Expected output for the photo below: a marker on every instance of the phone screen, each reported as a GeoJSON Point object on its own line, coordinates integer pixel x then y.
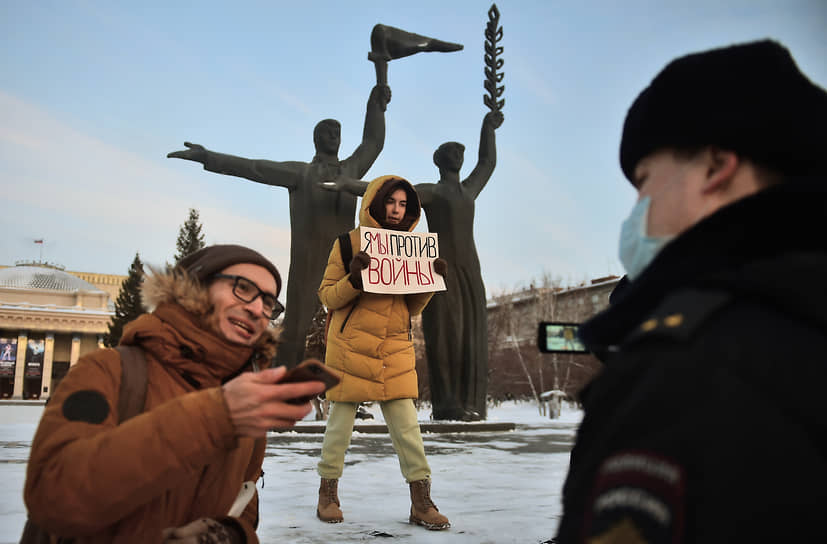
{"type": "Point", "coordinates": [559, 337]}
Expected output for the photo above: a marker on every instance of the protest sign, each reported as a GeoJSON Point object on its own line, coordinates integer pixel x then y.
{"type": "Point", "coordinates": [400, 262]}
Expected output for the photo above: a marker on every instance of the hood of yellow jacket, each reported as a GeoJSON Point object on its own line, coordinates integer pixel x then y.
{"type": "Point", "coordinates": [371, 212]}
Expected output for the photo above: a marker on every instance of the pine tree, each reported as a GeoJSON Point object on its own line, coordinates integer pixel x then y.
{"type": "Point", "coordinates": [190, 238]}
{"type": "Point", "coordinates": [128, 304]}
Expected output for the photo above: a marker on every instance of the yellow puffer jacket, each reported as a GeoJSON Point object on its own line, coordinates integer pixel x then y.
{"type": "Point", "coordinates": [369, 339]}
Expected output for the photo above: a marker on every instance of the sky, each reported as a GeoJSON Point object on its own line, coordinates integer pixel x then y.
{"type": "Point", "coordinates": [95, 94]}
{"type": "Point", "coordinates": [494, 487]}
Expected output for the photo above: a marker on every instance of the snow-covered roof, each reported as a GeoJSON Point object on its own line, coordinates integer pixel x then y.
{"type": "Point", "coordinates": [39, 277]}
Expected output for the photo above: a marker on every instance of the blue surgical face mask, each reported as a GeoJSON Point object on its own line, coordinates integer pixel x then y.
{"type": "Point", "coordinates": [637, 249]}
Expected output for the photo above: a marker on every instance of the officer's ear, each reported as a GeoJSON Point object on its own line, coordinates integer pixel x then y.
{"type": "Point", "coordinates": [720, 169]}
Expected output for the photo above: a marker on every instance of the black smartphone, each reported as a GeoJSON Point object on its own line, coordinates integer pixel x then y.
{"type": "Point", "coordinates": [559, 337]}
{"type": "Point", "coordinates": [307, 371]}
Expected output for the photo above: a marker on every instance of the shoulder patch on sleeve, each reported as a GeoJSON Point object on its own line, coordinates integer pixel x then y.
{"type": "Point", "coordinates": [87, 406]}
{"type": "Point", "coordinates": [640, 493]}
{"type": "Point", "coordinates": [680, 314]}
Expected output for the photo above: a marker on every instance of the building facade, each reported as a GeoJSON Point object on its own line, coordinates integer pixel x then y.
{"type": "Point", "coordinates": [49, 318]}
{"type": "Point", "coordinates": [517, 368]}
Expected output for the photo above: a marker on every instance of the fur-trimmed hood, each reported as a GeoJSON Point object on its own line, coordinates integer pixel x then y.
{"type": "Point", "coordinates": [372, 210]}
{"type": "Point", "coordinates": [175, 287]}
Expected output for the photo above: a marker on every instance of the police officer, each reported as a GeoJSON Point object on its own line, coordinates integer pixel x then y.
{"type": "Point", "coordinates": [707, 424]}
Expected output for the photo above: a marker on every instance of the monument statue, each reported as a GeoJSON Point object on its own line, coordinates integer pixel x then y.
{"type": "Point", "coordinates": [317, 216]}
{"type": "Point", "coordinates": [455, 322]}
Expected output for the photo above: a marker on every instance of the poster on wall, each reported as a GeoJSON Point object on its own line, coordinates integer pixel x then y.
{"type": "Point", "coordinates": [34, 357]}
{"type": "Point", "coordinates": [8, 356]}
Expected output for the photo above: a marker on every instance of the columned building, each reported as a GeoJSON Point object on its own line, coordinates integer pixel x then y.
{"type": "Point", "coordinates": [49, 318]}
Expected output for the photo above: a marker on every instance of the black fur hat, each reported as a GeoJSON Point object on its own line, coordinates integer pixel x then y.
{"type": "Point", "coordinates": [748, 98]}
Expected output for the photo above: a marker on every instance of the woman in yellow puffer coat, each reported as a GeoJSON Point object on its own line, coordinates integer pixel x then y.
{"type": "Point", "coordinates": [369, 345]}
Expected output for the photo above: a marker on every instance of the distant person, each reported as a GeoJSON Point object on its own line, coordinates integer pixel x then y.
{"type": "Point", "coordinates": [569, 338]}
{"type": "Point", "coordinates": [707, 423]}
{"type": "Point", "coordinates": [317, 216]}
{"type": "Point", "coordinates": [171, 473]}
{"type": "Point", "coordinates": [369, 344]}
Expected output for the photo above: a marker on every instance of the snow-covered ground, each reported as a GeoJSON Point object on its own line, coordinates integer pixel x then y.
{"type": "Point", "coordinates": [495, 487]}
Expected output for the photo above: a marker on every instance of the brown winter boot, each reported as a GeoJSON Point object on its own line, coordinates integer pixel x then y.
{"type": "Point", "coordinates": [328, 509]}
{"type": "Point", "coordinates": [423, 510]}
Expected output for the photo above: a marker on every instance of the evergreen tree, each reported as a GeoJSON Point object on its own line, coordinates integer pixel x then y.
{"type": "Point", "coordinates": [128, 304]}
{"type": "Point", "coordinates": [190, 238]}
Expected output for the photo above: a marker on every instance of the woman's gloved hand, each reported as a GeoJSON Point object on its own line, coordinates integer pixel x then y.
{"type": "Point", "coordinates": [441, 266]}
{"type": "Point", "coordinates": [359, 262]}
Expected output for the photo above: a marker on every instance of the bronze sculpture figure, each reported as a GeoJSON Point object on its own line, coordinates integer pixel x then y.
{"type": "Point", "coordinates": [316, 216]}
{"type": "Point", "coordinates": [455, 323]}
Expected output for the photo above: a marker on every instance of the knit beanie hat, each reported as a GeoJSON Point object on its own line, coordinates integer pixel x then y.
{"type": "Point", "coordinates": [748, 98]}
{"type": "Point", "coordinates": [213, 259]}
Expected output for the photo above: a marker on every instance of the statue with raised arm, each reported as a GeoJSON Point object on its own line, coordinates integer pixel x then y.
{"type": "Point", "coordinates": [318, 216]}
{"type": "Point", "coordinates": [455, 323]}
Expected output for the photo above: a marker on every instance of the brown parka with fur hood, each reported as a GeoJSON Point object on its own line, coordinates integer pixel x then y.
{"type": "Point", "coordinates": [178, 461]}
{"type": "Point", "coordinates": [369, 337]}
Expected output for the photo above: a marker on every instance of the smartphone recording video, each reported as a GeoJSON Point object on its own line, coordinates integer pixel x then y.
{"type": "Point", "coordinates": [558, 337]}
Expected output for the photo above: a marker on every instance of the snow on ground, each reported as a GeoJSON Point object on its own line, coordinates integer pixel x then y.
{"type": "Point", "coordinates": [495, 487]}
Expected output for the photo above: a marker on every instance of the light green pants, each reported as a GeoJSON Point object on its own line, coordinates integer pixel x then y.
{"type": "Point", "coordinates": [400, 416]}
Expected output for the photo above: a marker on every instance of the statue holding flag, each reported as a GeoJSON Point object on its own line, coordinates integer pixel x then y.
{"type": "Point", "coordinates": [318, 216]}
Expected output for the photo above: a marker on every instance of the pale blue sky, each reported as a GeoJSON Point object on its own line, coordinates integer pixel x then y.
{"type": "Point", "coordinates": [95, 94]}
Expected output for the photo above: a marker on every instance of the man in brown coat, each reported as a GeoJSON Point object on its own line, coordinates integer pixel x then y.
{"type": "Point", "coordinates": [173, 472]}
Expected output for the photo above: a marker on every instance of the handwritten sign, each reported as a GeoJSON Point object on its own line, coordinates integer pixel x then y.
{"type": "Point", "coordinates": [400, 262]}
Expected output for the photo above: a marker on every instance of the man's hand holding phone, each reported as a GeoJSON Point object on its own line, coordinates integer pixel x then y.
{"type": "Point", "coordinates": [310, 370]}
{"type": "Point", "coordinates": [274, 397]}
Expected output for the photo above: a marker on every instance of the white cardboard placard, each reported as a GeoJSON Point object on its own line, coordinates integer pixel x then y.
{"type": "Point", "coordinates": [400, 262]}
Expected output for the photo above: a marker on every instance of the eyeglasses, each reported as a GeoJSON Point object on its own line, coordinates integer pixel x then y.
{"type": "Point", "coordinates": [247, 291]}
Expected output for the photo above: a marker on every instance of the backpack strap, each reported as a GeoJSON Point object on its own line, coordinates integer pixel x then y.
{"type": "Point", "coordinates": [132, 396]}
{"type": "Point", "coordinates": [346, 249]}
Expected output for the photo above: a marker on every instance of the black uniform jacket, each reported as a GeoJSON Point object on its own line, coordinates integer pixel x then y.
{"type": "Point", "coordinates": [708, 422]}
